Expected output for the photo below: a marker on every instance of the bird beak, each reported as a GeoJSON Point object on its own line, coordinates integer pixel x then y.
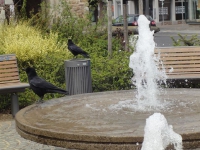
{"type": "Point", "coordinates": [23, 69]}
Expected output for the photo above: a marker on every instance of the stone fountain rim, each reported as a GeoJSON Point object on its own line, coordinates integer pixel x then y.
{"type": "Point", "coordinates": [24, 126]}
{"type": "Point", "coordinates": [32, 133]}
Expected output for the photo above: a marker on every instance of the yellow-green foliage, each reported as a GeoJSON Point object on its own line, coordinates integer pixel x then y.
{"type": "Point", "coordinates": [47, 56]}
{"type": "Point", "coordinates": [37, 50]}
{"type": "Point", "coordinates": [27, 42]}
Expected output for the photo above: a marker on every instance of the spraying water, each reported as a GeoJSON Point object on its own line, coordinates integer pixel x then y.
{"type": "Point", "coordinates": [145, 67]}
{"type": "Point", "coordinates": [158, 134]}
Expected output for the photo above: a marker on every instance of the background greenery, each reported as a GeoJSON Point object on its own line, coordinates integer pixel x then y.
{"type": "Point", "coordinates": [44, 47]}
{"type": "Point", "coordinates": [184, 40]}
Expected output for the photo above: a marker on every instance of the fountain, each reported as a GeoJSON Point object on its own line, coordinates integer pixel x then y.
{"type": "Point", "coordinates": [115, 120]}
{"type": "Point", "coordinates": [159, 135]}
{"type": "Point", "coordinates": [145, 68]}
{"type": "Point", "coordinates": [145, 64]}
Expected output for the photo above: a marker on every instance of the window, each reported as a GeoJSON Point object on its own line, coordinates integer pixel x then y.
{"type": "Point", "coordinates": [164, 10]}
{"type": "Point", "coordinates": [180, 10]}
{"type": "Point", "coordinates": [119, 12]}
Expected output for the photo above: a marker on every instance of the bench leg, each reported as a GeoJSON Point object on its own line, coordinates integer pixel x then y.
{"type": "Point", "coordinates": [14, 104]}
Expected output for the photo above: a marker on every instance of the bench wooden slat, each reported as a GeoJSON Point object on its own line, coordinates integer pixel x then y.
{"type": "Point", "coordinates": [8, 66]}
{"type": "Point", "coordinates": [184, 70]}
{"type": "Point", "coordinates": [184, 76]}
{"type": "Point", "coordinates": [183, 66]}
{"type": "Point", "coordinates": [178, 49]}
{"type": "Point", "coordinates": [8, 70]}
{"type": "Point", "coordinates": [15, 78]}
{"type": "Point", "coordinates": [181, 62]}
{"type": "Point", "coordinates": [3, 75]}
{"type": "Point", "coordinates": [13, 81]}
{"type": "Point", "coordinates": [8, 62]}
{"type": "Point", "coordinates": [180, 58]}
{"type": "Point", "coordinates": [179, 54]}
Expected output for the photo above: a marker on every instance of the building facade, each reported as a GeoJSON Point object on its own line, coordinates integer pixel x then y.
{"type": "Point", "coordinates": [79, 7]}
{"type": "Point", "coordinates": [163, 11]}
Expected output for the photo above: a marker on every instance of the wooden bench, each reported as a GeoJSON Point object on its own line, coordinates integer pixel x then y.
{"type": "Point", "coordinates": [10, 81]}
{"type": "Point", "coordinates": [182, 64]}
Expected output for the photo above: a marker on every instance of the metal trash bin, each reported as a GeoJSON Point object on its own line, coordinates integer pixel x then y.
{"type": "Point", "coordinates": [78, 76]}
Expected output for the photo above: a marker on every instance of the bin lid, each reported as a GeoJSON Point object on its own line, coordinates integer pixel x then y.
{"type": "Point", "coordinates": [77, 62]}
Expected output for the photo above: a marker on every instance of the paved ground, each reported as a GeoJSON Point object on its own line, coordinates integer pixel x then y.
{"type": "Point", "coordinates": [11, 140]}
{"type": "Point", "coordinates": [180, 28]}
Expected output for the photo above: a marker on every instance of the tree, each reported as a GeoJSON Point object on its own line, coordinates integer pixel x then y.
{"type": "Point", "coordinates": [94, 4]}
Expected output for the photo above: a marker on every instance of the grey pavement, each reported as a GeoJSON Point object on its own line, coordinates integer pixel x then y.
{"type": "Point", "coordinates": [180, 28]}
{"type": "Point", "coordinates": [11, 140]}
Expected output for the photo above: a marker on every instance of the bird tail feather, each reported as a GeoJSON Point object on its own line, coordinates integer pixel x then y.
{"type": "Point", "coordinates": [60, 91]}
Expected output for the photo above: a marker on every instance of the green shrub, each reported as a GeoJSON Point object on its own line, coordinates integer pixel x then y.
{"type": "Point", "coordinates": [111, 74]}
{"type": "Point", "coordinates": [185, 41]}
{"type": "Point", "coordinates": [107, 74]}
{"type": "Point", "coordinates": [34, 49]}
{"type": "Point", "coordinates": [47, 51]}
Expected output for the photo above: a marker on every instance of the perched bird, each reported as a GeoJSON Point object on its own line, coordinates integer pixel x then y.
{"type": "Point", "coordinates": [75, 50]}
{"type": "Point", "coordinates": [40, 86]}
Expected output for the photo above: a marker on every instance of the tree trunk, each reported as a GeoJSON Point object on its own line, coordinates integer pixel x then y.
{"type": "Point", "coordinates": [100, 9]}
{"type": "Point", "coordinates": [109, 29]}
{"type": "Point", "coordinates": [125, 25]}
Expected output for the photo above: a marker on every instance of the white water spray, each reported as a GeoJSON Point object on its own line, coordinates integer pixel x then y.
{"type": "Point", "coordinates": [145, 67]}
{"type": "Point", "coordinates": [158, 134]}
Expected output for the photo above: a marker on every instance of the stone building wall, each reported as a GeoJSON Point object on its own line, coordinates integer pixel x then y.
{"type": "Point", "coordinates": [79, 7]}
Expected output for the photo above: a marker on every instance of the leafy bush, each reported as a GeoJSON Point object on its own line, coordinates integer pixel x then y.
{"type": "Point", "coordinates": [47, 51]}
{"type": "Point", "coordinates": [68, 25]}
{"type": "Point", "coordinates": [37, 50]}
{"type": "Point", "coordinates": [185, 41]}
{"type": "Point", "coordinates": [107, 74]}
{"type": "Point", "coordinates": [111, 74]}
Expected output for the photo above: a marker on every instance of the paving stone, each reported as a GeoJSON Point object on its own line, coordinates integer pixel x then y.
{"type": "Point", "coordinates": [11, 140]}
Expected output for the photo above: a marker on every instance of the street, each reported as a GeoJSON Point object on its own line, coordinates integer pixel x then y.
{"type": "Point", "coordinates": [163, 38]}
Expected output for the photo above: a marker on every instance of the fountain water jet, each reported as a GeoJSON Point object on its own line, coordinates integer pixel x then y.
{"type": "Point", "coordinates": [108, 120]}
{"type": "Point", "coordinates": [158, 134]}
{"type": "Point", "coordinates": [145, 67]}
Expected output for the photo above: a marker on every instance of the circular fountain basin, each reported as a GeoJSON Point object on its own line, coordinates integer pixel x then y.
{"type": "Point", "coordinates": [100, 121]}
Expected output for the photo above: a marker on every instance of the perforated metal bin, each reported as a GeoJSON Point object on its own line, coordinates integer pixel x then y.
{"type": "Point", "coordinates": [78, 76]}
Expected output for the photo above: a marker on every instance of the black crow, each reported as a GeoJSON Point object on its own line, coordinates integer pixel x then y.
{"type": "Point", "coordinates": [75, 50]}
{"type": "Point", "coordinates": [40, 86]}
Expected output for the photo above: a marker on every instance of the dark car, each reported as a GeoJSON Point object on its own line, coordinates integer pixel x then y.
{"type": "Point", "coordinates": [132, 21]}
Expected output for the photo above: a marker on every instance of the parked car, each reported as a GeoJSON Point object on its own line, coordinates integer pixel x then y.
{"type": "Point", "coordinates": [133, 24]}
